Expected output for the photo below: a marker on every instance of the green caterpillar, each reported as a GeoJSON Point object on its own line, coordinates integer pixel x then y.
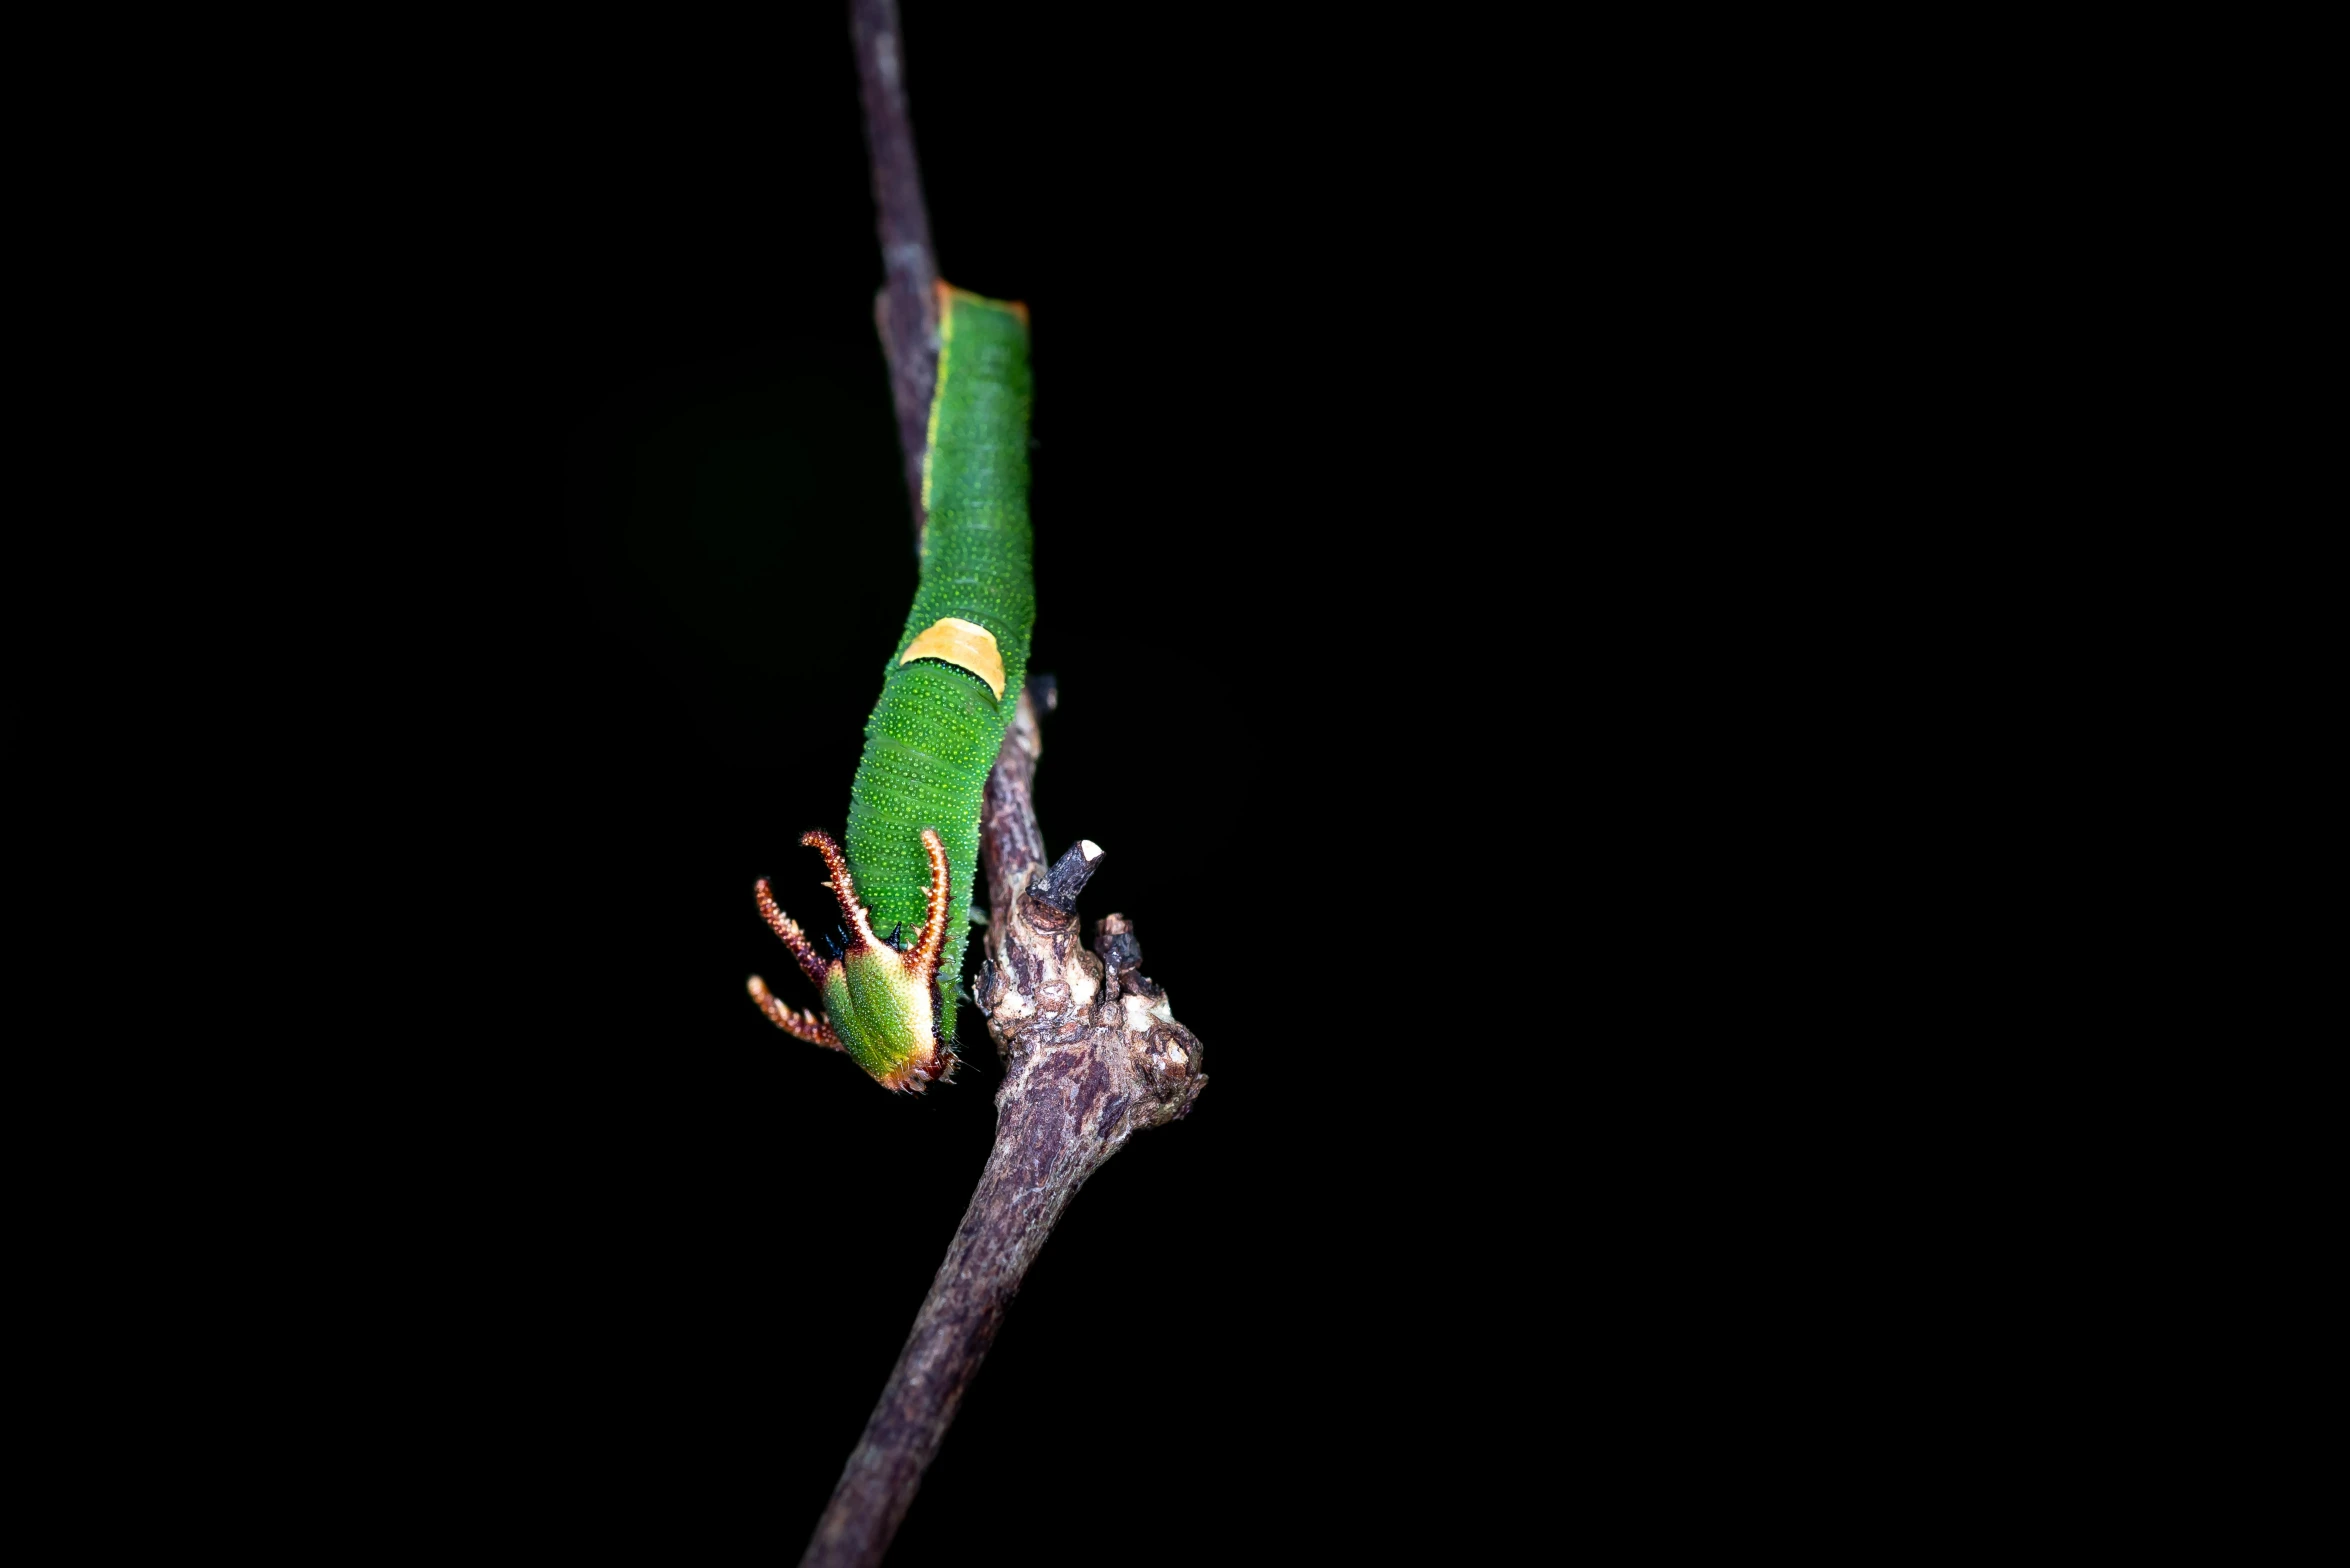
{"type": "Point", "coordinates": [913, 837]}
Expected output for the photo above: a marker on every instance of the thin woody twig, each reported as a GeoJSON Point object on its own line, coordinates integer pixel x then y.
{"type": "Point", "coordinates": [1090, 1048]}
{"type": "Point", "coordinates": [906, 309]}
{"type": "Point", "coordinates": [1011, 845]}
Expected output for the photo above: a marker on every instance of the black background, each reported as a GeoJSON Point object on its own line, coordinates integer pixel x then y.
{"type": "Point", "coordinates": [1290, 511]}
{"type": "Point", "coordinates": [1451, 515]}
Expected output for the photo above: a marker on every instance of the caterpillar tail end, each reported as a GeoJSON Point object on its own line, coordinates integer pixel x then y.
{"type": "Point", "coordinates": [948, 294]}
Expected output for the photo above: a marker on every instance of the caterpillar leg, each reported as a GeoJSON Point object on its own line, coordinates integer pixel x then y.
{"type": "Point", "coordinates": [814, 1028]}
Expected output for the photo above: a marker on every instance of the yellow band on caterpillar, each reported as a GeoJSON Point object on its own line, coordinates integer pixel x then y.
{"type": "Point", "coordinates": [963, 645]}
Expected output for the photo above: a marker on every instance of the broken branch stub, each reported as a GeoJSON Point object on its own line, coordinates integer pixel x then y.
{"type": "Point", "coordinates": [1069, 874]}
{"type": "Point", "coordinates": [1044, 994]}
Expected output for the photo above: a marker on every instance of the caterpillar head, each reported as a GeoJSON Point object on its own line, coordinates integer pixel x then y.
{"type": "Point", "coordinates": [880, 996]}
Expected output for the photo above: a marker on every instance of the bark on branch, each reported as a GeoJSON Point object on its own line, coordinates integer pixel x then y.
{"type": "Point", "coordinates": [906, 309]}
{"type": "Point", "coordinates": [1091, 1051]}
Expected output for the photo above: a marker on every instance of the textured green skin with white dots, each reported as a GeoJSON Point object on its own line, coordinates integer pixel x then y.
{"type": "Point", "coordinates": [936, 730]}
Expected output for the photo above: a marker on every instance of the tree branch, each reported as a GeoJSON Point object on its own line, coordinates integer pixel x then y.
{"type": "Point", "coordinates": [1092, 1054]}
{"type": "Point", "coordinates": [906, 309]}
{"type": "Point", "coordinates": [1090, 1048]}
